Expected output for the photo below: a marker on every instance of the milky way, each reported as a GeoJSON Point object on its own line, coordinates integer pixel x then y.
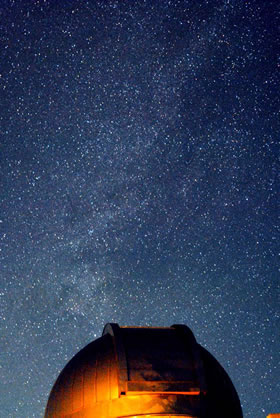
{"type": "Point", "coordinates": [139, 159]}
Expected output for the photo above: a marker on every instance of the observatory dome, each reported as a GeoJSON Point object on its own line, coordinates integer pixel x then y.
{"type": "Point", "coordinates": [143, 372]}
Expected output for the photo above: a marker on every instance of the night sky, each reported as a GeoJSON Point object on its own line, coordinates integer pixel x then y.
{"type": "Point", "coordinates": [139, 184]}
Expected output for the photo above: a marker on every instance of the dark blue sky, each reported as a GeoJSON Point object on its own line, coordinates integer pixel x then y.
{"type": "Point", "coordinates": [139, 161]}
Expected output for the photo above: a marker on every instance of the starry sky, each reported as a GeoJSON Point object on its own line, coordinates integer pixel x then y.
{"type": "Point", "coordinates": [139, 184]}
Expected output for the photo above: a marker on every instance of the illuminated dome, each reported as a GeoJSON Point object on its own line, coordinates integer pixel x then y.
{"type": "Point", "coordinates": [143, 372]}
